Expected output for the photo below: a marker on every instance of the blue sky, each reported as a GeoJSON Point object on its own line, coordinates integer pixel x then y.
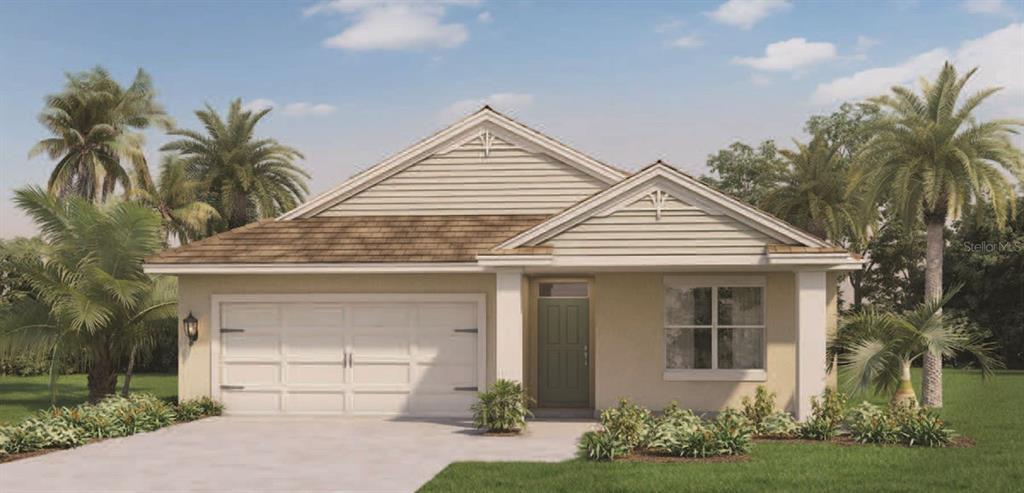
{"type": "Point", "coordinates": [626, 82]}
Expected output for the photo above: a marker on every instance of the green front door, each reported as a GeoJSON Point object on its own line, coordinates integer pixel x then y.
{"type": "Point", "coordinates": [563, 332]}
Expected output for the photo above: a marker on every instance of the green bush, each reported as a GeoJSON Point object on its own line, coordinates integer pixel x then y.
{"type": "Point", "coordinates": [666, 431]}
{"type": "Point", "coordinates": [868, 423]}
{"type": "Point", "coordinates": [734, 432]}
{"type": "Point", "coordinates": [629, 422]}
{"type": "Point", "coordinates": [503, 408]}
{"type": "Point", "coordinates": [602, 445]}
{"type": "Point", "coordinates": [193, 409]}
{"type": "Point", "coordinates": [778, 424]}
{"type": "Point", "coordinates": [758, 409]}
{"type": "Point", "coordinates": [53, 432]}
{"type": "Point", "coordinates": [17, 439]}
{"type": "Point", "coordinates": [826, 417]}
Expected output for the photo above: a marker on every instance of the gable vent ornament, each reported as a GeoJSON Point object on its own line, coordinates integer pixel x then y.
{"type": "Point", "coordinates": [658, 199]}
{"type": "Point", "coordinates": [487, 138]}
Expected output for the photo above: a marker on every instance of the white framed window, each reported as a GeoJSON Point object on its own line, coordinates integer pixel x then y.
{"type": "Point", "coordinates": [714, 328]}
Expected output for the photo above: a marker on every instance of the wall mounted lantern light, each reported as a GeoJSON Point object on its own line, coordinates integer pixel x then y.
{"type": "Point", "coordinates": [191, 328]}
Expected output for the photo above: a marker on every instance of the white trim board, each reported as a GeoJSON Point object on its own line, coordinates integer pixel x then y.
{"type": "Point", "coordinates": [663, 177]}
{"type": "Point", "coordinates": [463, 130]}
{"type": "Point", "coordinates": [378, 268]}
{"type": "Point", "coordinates": [219, 299]}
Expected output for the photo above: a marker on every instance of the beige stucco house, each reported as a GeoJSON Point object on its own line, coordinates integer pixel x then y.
{"type": "Point", "coordinates": [488, 251]}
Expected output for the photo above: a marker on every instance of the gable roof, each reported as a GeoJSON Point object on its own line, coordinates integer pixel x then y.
{"type": "Point", "coordinates": [462, 131]}
{"type": "Point", "coordinates": [662, 176]}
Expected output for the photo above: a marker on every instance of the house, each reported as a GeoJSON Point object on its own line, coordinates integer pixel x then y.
{"type": "Point", "coordinates": [488, 251]}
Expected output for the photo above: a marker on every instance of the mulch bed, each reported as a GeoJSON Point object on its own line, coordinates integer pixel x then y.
{"type": "Point", "coordinates": [671, 459]}
{"type": "Point", "coordinates": [501, 433]}
{"type": "Point", "coordinates": [26, 455]}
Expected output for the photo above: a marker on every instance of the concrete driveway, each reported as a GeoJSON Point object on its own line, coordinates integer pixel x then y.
{"type": "Point", "coordinates": [284, 454]}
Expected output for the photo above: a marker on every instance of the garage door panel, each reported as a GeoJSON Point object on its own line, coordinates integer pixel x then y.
{"type": "Point", "coordinates": [251, 315]}
{"type": "Point", "coordinates": [250, 345]}
{"type": "Point", "coordinates": [381, 315]}
{"type": "Point", "coordinates": [316, 374]}
{"type": "Point", "coordinates": [252, 401]}
{"type": "Point", "coordinates": [357, 357]}
{"type": "Point", "coordinates": [453, 316]}
{"type": "Point", "coordinates": [380, 402]}
{"type": "Point", "coordinates": [311, 316]}
{"type": "Point", "coordinates": [316, 402]}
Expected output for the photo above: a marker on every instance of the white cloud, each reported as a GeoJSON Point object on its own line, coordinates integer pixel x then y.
{"type": "Point", "coordinates": [691, 41]}
{"type": "Point", "coordinates": [308, 109]}
{"type": "Point", "coordinates": [997, 54]}
{"type": "Point", "coordinates": [484, 17]}
{"type": "Point", "coordinates": [746, 13]}
{"type": "Point", "coordinates": [997, 7]}
{"type": "Point", "coordinates": [394, 25]}
{"type": "Point", "coordinates": [258, 105]}
{"type": "Point", "coordinates": [298, 109]}
{"type": "Point", "coordinates": [506, 102]}
{"type": "Point", "coordinates": [790, 55]}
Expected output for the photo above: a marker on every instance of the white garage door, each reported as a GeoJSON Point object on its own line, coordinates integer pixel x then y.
{"type": "Point", "coordinates": [396, 354]}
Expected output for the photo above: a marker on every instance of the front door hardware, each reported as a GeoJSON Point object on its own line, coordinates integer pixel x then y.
{"type": "Point", "coordinates": [228, 331]}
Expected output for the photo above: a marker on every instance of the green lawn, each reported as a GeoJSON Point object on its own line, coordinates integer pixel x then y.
{"type": "Point", "coordinates": [991, 412]}
{"type": "Point", "coordinates": [20, 396]}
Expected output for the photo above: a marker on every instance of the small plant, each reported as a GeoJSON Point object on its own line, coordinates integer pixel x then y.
{"type": "Point", "coordinates": [733, 431]}
{"type": "Point", "coordinates": [602, 445]}
{"type": "Point", "coordinates": [201, 407]}
{"type": "Point", "coordinates": [921, 427]}
{"type": "Point", "coordinates": [871, 424]}
{"type": "Point", "coordinates": [629, 422]}
{"type": "Point", "coordinates": [778, 424]}
{"type": "Point", "coordinates": [18, 439]}
{"type": "Point", "coordinates": [826, 416]}
{"type": "Point", "coordinates": [760, 408]}
{"type": "Point", "coordinates": [503, 408]}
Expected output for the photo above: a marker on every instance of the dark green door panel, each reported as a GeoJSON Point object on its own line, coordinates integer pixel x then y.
{"type": "Point", "coordinates": [563, 332]}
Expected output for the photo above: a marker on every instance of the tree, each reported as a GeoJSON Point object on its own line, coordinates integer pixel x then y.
{"type": "Point", "coordinates": [245, 178]}
{"type": "Point", "coordinates": [94, 122]}
{"type": "Point", "coordinates": [930, 157]}
{"type": "Point", "coordinates": [813, 192]}
{"type": "Point", "coordinates": [893, 277]}
{"type": "Point", "coordinates": [877, 348]}
{"type": "Point", "coordinates": [176, 197]}
{"type": "Point", "coordinates": [746, 173]}
{"type": "Point", "coordinates": [88, 290]}
{"type": "Point", "coordinates": [990, 264]}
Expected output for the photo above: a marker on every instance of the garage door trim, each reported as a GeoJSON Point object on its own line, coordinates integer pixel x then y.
{"type": "Point", "coordinates": [218, 299]}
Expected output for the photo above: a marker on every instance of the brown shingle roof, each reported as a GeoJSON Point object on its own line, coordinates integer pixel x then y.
{"type": "Point", "coordinates": [356, 239]}
{"type": "Point", "coordinates": [803, 249]}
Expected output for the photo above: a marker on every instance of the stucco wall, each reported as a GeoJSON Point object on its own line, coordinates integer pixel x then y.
{"type": "Point", "coordinates": [194, 292]}
{"type": "Point", "coordinates": [629, 346]}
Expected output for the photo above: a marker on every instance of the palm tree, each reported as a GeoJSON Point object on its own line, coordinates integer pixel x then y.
{"type": "Point", "coordinates": [246, 178]}
{"type": "Point", "coordinates": [928, 157]}
{"type": "Point", "coordinates": [877, 348]}
{"type": "Point", "coordinates": [87, 288]}
{"type": "Point", "coordinates": [176, 198]}
{"type": "Point", "coordinates": [812, 193]}
{"type": "Point", "coordinates": [92, 123]}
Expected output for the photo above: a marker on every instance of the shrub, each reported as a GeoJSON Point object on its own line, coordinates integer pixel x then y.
{"type": "Point", "coordinates": [53, 431]}
{"type": "Point", "coordinates": [920, 427]}
{"type": "Point", "coordinates": [18, 439]}
{"type": "Point", "coordinates": [193, 409]}
{"type": "Point", "coordinates": [760, 408]}
{"type": "Point", "coordinates": [666, 431]}
{"type": "Point", "coordinates": [629, 422]}
{"type": "Point", "coordinates": [733, 431]}
{"type": "Point", "coordinates": [826, 416]}
{"type": "Point", "coordinates": [778, 424]}
{"type": "Point", "coordinates": [871, 424]}
{"type": "Point", "coordinates": [602, 445]}
{"type": "Point", "coordinates": [502, 408]}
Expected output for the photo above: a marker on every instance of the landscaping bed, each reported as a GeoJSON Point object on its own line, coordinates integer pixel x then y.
{"type": "Point", "coordinates": [59, 428]}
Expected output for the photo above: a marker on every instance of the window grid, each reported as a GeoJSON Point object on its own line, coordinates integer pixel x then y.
{"type": "Point", "coordinates": [714, 324]}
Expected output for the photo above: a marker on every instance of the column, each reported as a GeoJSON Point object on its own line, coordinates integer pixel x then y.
{"type": "Point", "coordinates": [811, 323]}
{"type": "Point", "coordinates": [509, 325]}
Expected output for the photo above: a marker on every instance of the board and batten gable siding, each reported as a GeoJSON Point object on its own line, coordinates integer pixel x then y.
{"type": "Point", "coordinates": [505, 179]}
{"type": "Point", "coordinates": [681, 229]}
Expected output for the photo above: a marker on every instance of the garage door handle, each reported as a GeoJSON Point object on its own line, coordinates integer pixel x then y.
{"type": "Point", "coordinates": [232, 387]}
{"type": "Point", "coordinates": [466, 389]}
{"type": "Point", "coordinates": [468, 331]}
{"type": "Point", "coordinates": [228, 331]}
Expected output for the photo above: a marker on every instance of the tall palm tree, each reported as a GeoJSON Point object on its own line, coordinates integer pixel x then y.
{"type": "Point", "coordinates": [176, 196]}
{"type": "Point", "coordinates": [87, 288]}
{"type": "Point", "coordinates": [877, 348]}
{"type": "Point", "coordinates": [95, 123]}
{"type": "Point", "coordinates": [928, 157]}
{"type": "Point", "coordinates": [246, 178]}
{"type": "Point", "coordinates": [813, 194]}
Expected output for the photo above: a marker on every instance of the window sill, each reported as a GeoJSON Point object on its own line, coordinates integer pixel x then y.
{"type": "Point", "coordinates": [715, 375]}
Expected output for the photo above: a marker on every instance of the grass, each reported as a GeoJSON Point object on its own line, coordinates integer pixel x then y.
{"type": "Point", "coordinates": [21, 396]}
{"type": "Point", "coordinates": [989, 411]}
